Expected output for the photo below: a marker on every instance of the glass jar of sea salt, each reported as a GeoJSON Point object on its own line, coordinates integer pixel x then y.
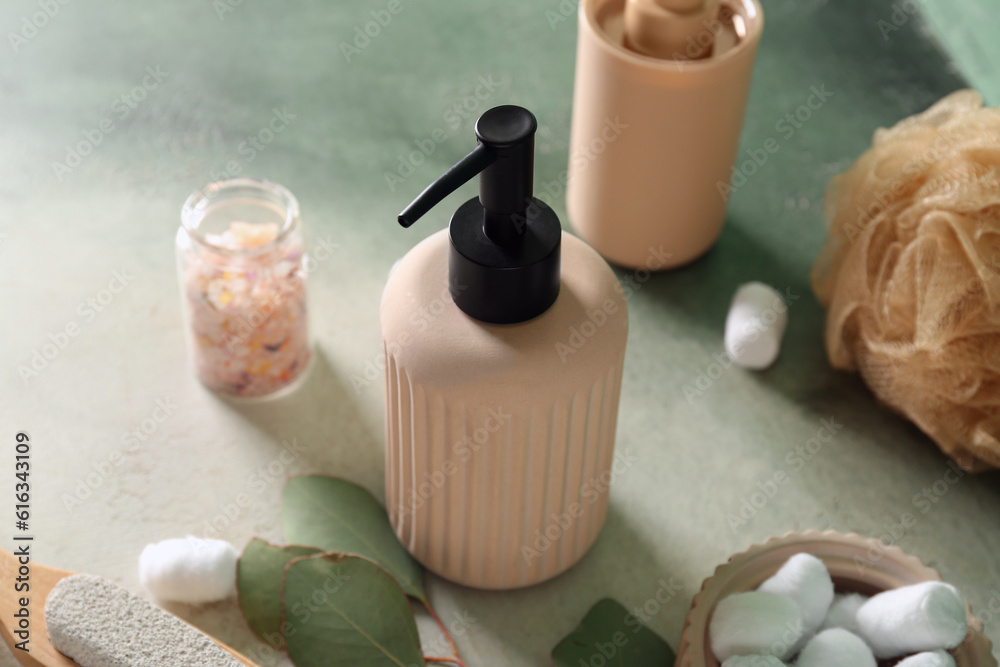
{"type": "Point", "coordinates": [242, 267]}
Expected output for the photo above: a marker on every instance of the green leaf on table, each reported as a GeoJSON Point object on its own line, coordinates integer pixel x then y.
{"type": "Point", "coordinates": [346, 611]}
{"type": "Point", "coordinates": [610, 635]}
{"type": "Point", "coordinates": [258, 584]}
{"type": "Point", "coordinates": [335, 515]}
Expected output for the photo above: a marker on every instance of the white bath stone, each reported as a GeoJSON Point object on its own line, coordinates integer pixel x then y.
{"type": "Point", "coordinates": [755, 623]}
{"type": "Point", "coordinates": [805, 579]}
{"type": "Point", "coordinates": [753, 661]}
{"type": "Point", "coordinates": [928, 659]}
{"type": "Point", "coordinates": [755, 326]}
{"type": "Point", "coordinates": [190, 570]}
{"type": "Point", "coordinates": [844, 612]}
{"type": "Point", "coordinates": [836, 648]}
{"type": "Point", "coordinates": [100, 624]}
{"type": "Point", "coordinates": [923, 617]}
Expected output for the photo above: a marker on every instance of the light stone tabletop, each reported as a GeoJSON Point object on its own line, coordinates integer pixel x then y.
{"type": "Point", "coordinates": [111, 113]}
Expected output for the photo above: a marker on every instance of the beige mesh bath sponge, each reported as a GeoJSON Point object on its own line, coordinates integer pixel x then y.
{"type": "Point", "coordinates": [910, 274]}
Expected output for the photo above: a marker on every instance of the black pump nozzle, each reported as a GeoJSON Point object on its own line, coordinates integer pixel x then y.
{"type": "Point", "coordinates": [505, 159]}
{"type": "Point", "coordinates": [469, 166]}
{"type": "Point", "coordinates": [504, 261]}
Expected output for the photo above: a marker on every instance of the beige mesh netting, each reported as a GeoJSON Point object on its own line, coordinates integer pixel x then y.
{"type": "Point", "coordinates": [910, 274]}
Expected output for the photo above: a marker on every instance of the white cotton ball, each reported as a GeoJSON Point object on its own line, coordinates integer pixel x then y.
{"type": "Point", "coordinates": [753, 661]}
{"type": "Point", "coordinates": [755, 623]}
{"type": "Point", "coordinates": [755, 326]}
{"type": "Point", "coordinates": [928, 659]}
{"type": "Point", "coordinates": [922, 617]}
{"type": "Point", "coordinates": [190, 570]}
{"type": "Point", "coordinates": [805, 580]}
{"type": "Point", "coordinates": [836, 648]}
{"type": "Point", "coordinates": [844, 612]}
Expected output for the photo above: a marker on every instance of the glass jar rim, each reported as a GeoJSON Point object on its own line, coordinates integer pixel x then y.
{"type": "Point", "coordinates": [197, 205]}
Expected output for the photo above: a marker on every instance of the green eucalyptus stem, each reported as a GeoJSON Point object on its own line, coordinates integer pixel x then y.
{"type": "Point", "coordinates": [447, 635]}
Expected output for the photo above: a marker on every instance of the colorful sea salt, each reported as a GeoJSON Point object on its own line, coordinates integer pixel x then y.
{"type": "Point", "coordinates": [244, 292]}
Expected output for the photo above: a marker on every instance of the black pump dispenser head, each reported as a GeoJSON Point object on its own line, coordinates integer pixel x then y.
{"type": "Point", "coordinates": [504, 262]}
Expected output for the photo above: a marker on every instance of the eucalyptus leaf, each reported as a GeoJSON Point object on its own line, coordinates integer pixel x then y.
{"type": "Point", "coordinates": [346, 611]}
{"type": "Point", "coordinates": [258, 583]}
{"type": "Point", "coordinates": [338, 516]}
{"type": "Point", "coordinates": [610, 635]}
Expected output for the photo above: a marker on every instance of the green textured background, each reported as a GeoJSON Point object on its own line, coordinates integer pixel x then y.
{"type": "Point", "coordinates": [695, 461]}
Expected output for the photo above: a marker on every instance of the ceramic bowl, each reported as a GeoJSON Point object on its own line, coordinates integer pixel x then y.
{"type": "Point", "coordinates": [856, 564]}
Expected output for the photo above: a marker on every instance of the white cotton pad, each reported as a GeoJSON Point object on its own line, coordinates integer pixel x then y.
{"type": "Point", "coordinates": [805, 580]}
{"type": "Point", "coordinates": [928, 659]}
{"type": "Point", "coordinates": [100, 624]}
{"type": "Point", "coordinates": [844, 612]}
{"type": "Point", "coordinates": [755, 326]}
{"type": "Point", "coordinates": [191, 570]}
{"type": "Point", "coordinates": [753, 661]}
{"type": "Point", "coordinates": [755, 623]}
{"type": "Point", "coordinates": [836, 648]}
{"type": "Point", "coordinates": [923, 617]}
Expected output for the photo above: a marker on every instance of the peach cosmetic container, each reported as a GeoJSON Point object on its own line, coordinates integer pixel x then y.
{"type": "Point", "coordinates": [504, 341]}
{"type": "Point", "coordinates": [672, 76]}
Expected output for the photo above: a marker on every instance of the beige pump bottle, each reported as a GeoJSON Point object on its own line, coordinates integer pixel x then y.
{"type": "Point", "coordinates": [504, 341]}
{"type": "Point", "coordinates": [673, 77]}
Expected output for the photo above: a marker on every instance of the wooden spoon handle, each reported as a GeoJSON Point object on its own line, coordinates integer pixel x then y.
{"type": "Point", "coordinates": [42, 580]}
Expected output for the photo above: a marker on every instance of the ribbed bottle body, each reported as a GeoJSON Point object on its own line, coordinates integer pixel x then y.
{"type": "Point", "coordinates": [500, 438]}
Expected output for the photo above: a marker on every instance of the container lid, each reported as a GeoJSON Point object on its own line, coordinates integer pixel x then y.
{"type": "Point", "coordinates": [505, 244]}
